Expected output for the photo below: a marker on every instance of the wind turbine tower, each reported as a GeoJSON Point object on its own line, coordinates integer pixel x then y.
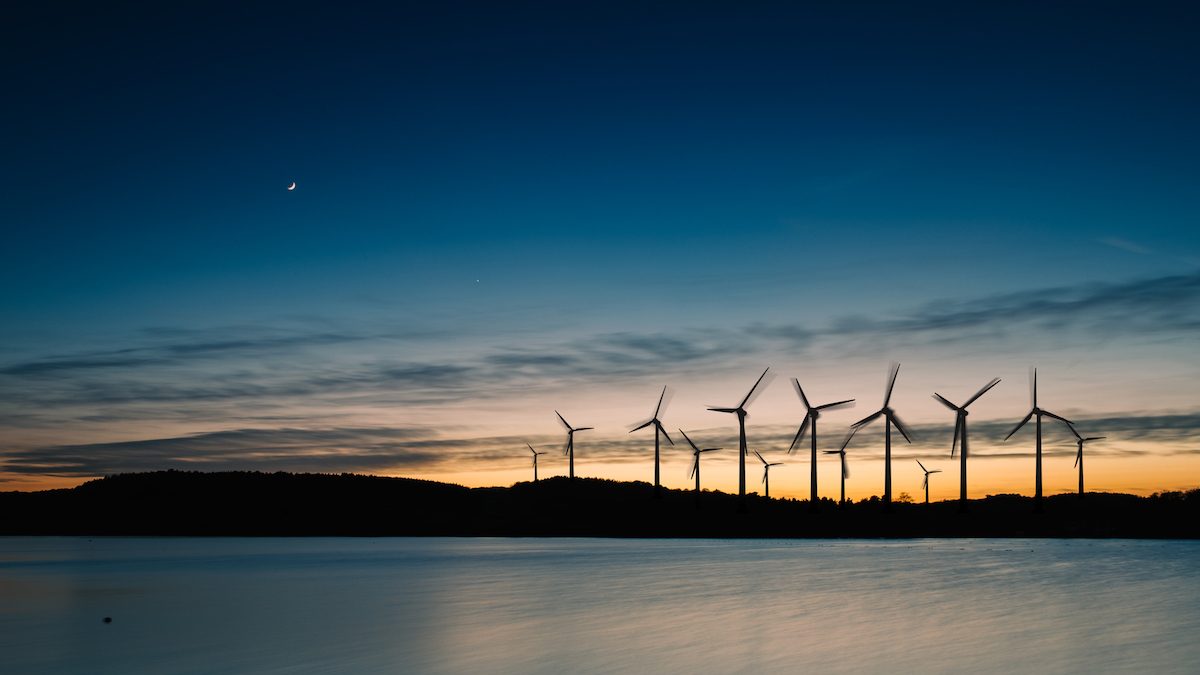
{"type": "Point", "coordinates": [890, 419]}
{"type": "Point", "coordinates": [569, 449]}
{"type": "Point", "coordinates": [766, 474]}
{"type": "Point", "coordinates": [810, 419]}
{"type": "Point", "coordinates": [740, 411]}
{"type": "Point", "coordinates": [658, 431]}
{"type": "Point", "coordinates": [1037, 412]}
{"type": "Point", "coordinates": [536, 454]}
{"type": "Point", "coordinates": [960, 435]}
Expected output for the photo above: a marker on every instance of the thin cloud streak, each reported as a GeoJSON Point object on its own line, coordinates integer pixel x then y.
{"type": "Point", "coordinates": [373, 449]}
{"type": "Point", "coordinates": [1169, 303]}
{"type": "Point", "coordinates": [259, 381]}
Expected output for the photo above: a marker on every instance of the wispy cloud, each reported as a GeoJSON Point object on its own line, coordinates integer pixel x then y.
{"type": "Point", "coordinates": [359, 450]}
{"type": "Point", "coordinates": [172, 353]}
{"type": "Point", "coordinates": [1150, 306]}
{"type": "Point", "coordinates": [380, 449]}
{"type": "Point", "coordinates": [257, 375]}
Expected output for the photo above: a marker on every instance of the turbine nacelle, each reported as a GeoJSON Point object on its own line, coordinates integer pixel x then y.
{"type": "Point", "coordinates": [657, 423]}
{"type": "Point", "coordinates": [812, 413]}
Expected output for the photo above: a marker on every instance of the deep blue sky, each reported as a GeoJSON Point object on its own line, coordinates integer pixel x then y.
{"type": "Point", "coordinates": [599, 168]}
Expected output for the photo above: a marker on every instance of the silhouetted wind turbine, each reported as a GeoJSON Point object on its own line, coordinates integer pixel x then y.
{"type": "Point", "coordinates": [535, 456]}
{"type": "Point", "coordinates": [570, 448]}
{"type": "Point", "coordinates": [926, 483]}
{"type": "Point", "coordinates": [890, 420]}
{"type": "Point", "coordinates": [696, 452]}
{"type": "Point", "coordinates": [658, 429]}
{"type": "Point", "coordinates": [1035, 411]}
{"type": "Point", "coordinates": [1080, 440]}
{"type": "Point", "coordinates": [740, 410]}
{"type": "Point", "coordinates": [810, 417]}
{"type": "Point", "coordinates": [845, 466]}
{"type": "Point", "coordinates": [766, 474]}
{"type": "Point", "coordinates": [960, 433]}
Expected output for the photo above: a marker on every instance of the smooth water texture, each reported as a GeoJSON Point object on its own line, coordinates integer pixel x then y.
{"type": "Point", "coordinates": [183, 605]}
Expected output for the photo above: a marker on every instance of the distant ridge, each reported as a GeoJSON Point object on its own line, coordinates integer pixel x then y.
{"type": "Point", "coordinates": [284, 504]}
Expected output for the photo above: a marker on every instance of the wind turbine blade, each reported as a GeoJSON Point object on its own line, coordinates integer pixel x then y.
{"type": "Point", "coordinates": [981, 392]}
{"type": "Point", "coordinates": [925, 483]}
{"type": "Point", "coordinates": [831, 452]}
{"type": "Point", "coordinates": [1019, 425]}
{"type": "Point", "coordinates": [1033, 392]}
{"type": "Point", "coordinates": [836, 404]}
{"type": "Point", "coordinates": [887, 396]}
{"type": "Point", "coordinates": [1053, 416]}
{"type": "Point", "coordinates": [936, 471]}
{"type": "Point", "coordinates": [958, 421]}
{"type": "Point", "coordinates": [901, 428]}
{"type": "Point", "coordinates": [1074, 431]}
{"type": "Point", "coordinates": [752, 395]}
{"type": "Point", "coordinates": [759, 457]}
{"type": "Point", "coordinates": [945, 402]}
{"type": "Point", "coordinates": [776, 464]}
{"type": "Point", "coordinates": [845, 467]}
{"type": "Point", "coordinates": [585, 428]}
{"type": "Point", "coordinates": [751, 392]}
{"type": "Point", "coordinates": [695, 464]}
{"type": "Point", "coordinates": [667, 436]}
{"type": "Point", "coordinates": [800, 391]}
{"type": "Point", "coordinates": [1078, 455]}
{"type": "Point", "coordinates": [1094, 438]}
{"type": "Point", "coordinates": [660, 402]}
{"type": "Point", "coordinates": [724, 410]}
{"type": "Point", "coordinates": [710, 449]}
{"type": "Point", "coordinates": [560, 419]}
{"type": "Point", "coordinates": [799, 433]}
{"type": "Point", "coordinates": [689, 440]}
{"type": "Point", "coordinates": [764, 480]}
{"type": "Point", "coordinates": [567, 445]}
{"type": "Point", "coordinates": [641, 426]}
{"type": "Point", "coordinates": [867, 420]}
{"type": "Point", "coordinates": [922, 466]}
{"type": "Point", "coordinates": [853, 430]}
{"type": "Point", "coordinates": [531, 448]}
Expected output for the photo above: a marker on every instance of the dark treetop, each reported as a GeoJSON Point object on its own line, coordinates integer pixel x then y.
{"type": "Point", "coordinates": [251, 503]}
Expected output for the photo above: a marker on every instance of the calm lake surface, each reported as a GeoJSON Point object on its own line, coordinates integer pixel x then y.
{"type": "Point", "coordinates": [182, 605]}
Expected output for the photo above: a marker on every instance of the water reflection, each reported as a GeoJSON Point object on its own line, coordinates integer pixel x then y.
{"type": "Point", "coordinates": [553, 606]}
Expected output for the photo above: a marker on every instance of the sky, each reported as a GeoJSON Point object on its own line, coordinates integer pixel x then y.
{"type": "Point", "coordinates": [506, 210]}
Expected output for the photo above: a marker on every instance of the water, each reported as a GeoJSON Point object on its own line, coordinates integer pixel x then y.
{"type": "Point", "coordinates": [183, 605]}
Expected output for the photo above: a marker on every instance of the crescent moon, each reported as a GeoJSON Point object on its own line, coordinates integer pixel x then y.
{"type": "Point", "coordinates": [292, 186]}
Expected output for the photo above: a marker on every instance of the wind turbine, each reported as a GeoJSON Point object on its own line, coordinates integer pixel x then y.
{"type": "Point", "coordinates": [535, 456]}
{"type": "Point", "coordinates": [658, 429]}
{"type": "Point", "coordinates": [1035, 411]}
{"type": "Point", "coordinates": [960, 433]}
{"type": "Point", "coordinates": [740, 410]}
{"type": "Point", "coordinates": [845, 467]}
{"type": "Point", "coordinates": [810, 417]}
{"type": "Point", "coordinates": [890, 420]}
{"type": "Point", "coordinates": [925, 485]}
{"type": "Point", "coordinates": [767, 474]}
{"type": "Point", "coordinates": [1080, 440]}
{"type": "Point", "coordinates": [570, 448]}
{"type": "Point", "coordinates": [696, 452]}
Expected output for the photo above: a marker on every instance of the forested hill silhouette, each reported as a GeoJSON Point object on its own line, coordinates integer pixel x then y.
{"type": "Point", "coordinates": [251, 503]}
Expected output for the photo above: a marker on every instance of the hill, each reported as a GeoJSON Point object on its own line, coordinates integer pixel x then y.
{"type": "Point", "coordinates": [283, 504]}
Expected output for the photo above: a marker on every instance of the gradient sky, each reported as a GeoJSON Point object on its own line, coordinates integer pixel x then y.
{"type": "Point", "coordinates": [506, 210]}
